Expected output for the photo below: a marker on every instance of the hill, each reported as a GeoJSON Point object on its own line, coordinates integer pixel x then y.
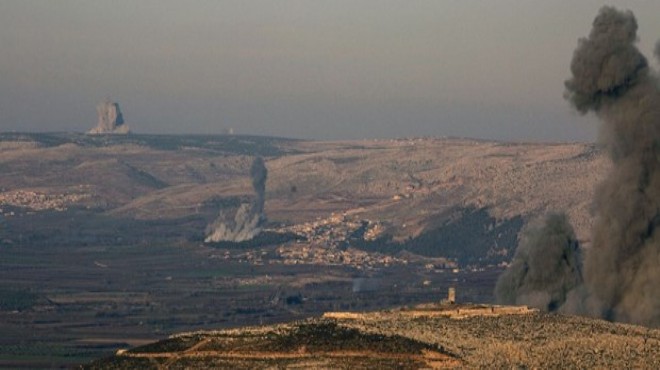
{"type": "Point", "coordinates": [418, 337]}
{"type": "Point", "coordinates": [421, 193]}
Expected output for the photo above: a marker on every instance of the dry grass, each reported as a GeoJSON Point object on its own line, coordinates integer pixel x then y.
{"type": "Point", "coordinates": [394, 339]}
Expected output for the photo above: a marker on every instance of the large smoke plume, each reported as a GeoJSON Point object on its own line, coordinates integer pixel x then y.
{"type": "Point", "coordinates": [545, 268]}
{"type": "Point", "coordinates": [611, 78]}
{"type": "Point", "coordinates": [249, 217]}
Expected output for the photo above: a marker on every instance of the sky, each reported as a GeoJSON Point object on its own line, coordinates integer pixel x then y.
{"type": "Point", "coordinates": [313, 69]}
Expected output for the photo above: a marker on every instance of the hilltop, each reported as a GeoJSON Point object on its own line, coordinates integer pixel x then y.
{"type": "Point", "coordinates": [436, 336]}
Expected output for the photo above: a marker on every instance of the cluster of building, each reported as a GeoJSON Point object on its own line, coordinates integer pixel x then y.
{"type": "Point", "coordinates": [306, 254]}
{"type": "Point", "coordinates": [336, 231]}
{"type": "Point", "coordinates": [38, 201]}
{"type": "Point", "coordinates": [323, 242]}
{"type": "Point", "coordinates": [317, 255]}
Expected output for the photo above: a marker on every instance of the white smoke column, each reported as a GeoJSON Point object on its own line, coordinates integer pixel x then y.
{"type": "Point", "coordinates": [110, 119]}
{"type": "Point", "coordinates": [611, 78]}
{"type": "Point", "coordinates": [249, 217]}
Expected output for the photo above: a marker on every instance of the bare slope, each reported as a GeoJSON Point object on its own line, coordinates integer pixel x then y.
{"type": "Point", "coordinates": [411, 185]}
{"type": "Point", "coordinates": [409, 182]}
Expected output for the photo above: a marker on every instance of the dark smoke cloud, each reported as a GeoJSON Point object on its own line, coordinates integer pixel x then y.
{"type": "Point", "coordinates": [545, 268]}
{"type": "Point", "coordinates": [606, 64]}
{"type": "Point", "coordinates": [258, 173]}
{"type": "Point", "coordinates": [621, 275]}
{"type": "Point", "coordinates": [249, 217]}
{"type": "Point", "coordinates": [611, 78]}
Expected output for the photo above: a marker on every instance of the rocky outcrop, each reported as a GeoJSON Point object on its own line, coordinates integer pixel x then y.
{"type": "Point", "coordinates": [111, 121]}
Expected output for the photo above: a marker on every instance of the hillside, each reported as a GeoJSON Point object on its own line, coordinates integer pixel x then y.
{"type": "Point", "coordinates": [418, 337]}
{"type": "Point", "coordinates": [410, 181]}
{"type": "Point", "coordinates": [411, 187]}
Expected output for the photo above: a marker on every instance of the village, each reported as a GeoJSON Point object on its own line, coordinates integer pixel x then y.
{"type": "Point", "coordinates": [327, 242]}
{"type": "Point", "coordinates": [38, 201]}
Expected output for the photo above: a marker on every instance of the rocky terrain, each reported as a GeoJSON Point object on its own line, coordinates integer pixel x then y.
{"type": "Point", "coordinates": [428, 336]}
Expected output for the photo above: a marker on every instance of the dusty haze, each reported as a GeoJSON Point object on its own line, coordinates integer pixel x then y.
{"type": "Point", "coordinates": [322, 70]}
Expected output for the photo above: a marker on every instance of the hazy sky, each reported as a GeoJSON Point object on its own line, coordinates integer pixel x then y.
{"type": "Point", "coordinates": [310, 69]}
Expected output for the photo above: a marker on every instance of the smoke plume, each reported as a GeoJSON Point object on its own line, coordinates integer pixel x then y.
{"type": "Point", "coordinates": [110, 119]}
{"type": "Point", "coordinates": [545, 268]}
{"type": "Point", "coordinates": [249, 217]}
{"type": "Point", "coordinates": [612, 79]}
{"type": "Point", "coordinates": [621, 275]}
{"type": "Point", "coordinates": [258, 173]}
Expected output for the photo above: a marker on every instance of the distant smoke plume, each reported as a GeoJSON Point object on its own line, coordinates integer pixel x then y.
{"type": "Point", "coordinates": [545, 268]}
{"type": "Point", "coordinates": [249, 217]}
{"type": "Point", "coordinates": [110, 119]}
{"type": "Point", "coordinates": [258, 173]}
